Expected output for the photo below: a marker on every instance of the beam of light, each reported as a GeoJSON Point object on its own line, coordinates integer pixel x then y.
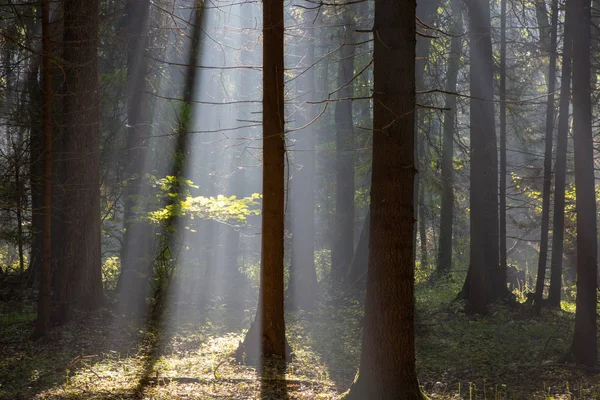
{"type": "Point", "coordinates": [221, 161]}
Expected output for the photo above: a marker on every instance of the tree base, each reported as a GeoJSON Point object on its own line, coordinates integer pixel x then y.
{"type": "Point", "coordinates": [359, 390]}
{"type": "Point", "coordinates": [256, 349]}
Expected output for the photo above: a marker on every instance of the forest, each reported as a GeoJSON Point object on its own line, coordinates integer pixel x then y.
{"type": "Point", "coordinates": [299, 199]}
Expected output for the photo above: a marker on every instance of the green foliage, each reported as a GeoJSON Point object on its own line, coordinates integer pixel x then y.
{"type": "Point", "coordinates": [9, 262]}
{"type": "Point", "coordinates": [110, 272]}
{"type": "Point", "coordinates": [323, 264]}
{"type": "Point", "coordinates": [181, 203]}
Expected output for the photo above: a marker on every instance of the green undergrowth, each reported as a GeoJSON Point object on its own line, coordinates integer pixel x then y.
{"type": "Point", "coordinates": [509, 354]}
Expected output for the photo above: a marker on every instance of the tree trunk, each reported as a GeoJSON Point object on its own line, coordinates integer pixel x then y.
{"type": "Point", "coordinates": [137, 249]}
{"type": "Point", "coordinates": [268, 330]}
{"type": "Point", "coordinates": [444, 262]}
{"type": "Point", "coordinates": [560, 167]}
{"type": "Point", "coordinates": [387, 366]}
{"type": "Point", "coordinates": [584, 338]}
{"type": "Point", "coordinates": [303, 276]}
{"type": "Point", "coordinates": [503, 177]}
{"type": "Point", "coordinates": [357, 275]}
{"type": "Point", "coordinates": [486, 281]}
{"type": "Point", "coordinates": [423, 160]}
{"type": "Point", "coordinates": [541, 273]}
{"type": "Point", "coordinates": [43, 312]}
{"type": "Point", "coordinates": [80, 282]}
{"type": "Point", "coordinates": [343, 244]}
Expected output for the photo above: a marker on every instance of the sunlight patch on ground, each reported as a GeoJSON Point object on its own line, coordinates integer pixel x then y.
{"type": "Point", "coordinates": [206, 371]}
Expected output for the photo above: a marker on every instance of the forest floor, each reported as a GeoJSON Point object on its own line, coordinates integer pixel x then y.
{"type": "Point", "coordinates": [509, 354]}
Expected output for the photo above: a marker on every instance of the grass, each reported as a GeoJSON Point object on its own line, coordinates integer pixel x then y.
{"type": "Point", "coordinates": [509, 354]}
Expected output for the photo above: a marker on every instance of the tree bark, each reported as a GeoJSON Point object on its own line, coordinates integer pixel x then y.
{"type": "Point", "coordinates": [387, 366]}
{"type": "Point", "coordinates": [268, 329]}
{"type": "Point", "coordinates": [584, 338]}
{"type": "Point", "coordinates": [80, 284]}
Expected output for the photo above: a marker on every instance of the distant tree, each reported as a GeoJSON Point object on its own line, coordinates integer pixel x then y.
{"type": "Point", "coordinates": [343, 240]}
{"type": "Point", "coordinates": [45, 288]}
{"type": "Point", "coordinates": [584, 345]}
{"type": "Point", "coordinates": [137, 235]}
{"type": "Point", "coordinates": [79, 281]}
{"type": "Point", "coordinates": [444, 260]}
{"type": "Point", "coordinates": [303, 277]}
{"type": "Point", "coordinates": [387, 366]}
{"type": "Point", "coordinates": [486, 281]}
{"type": "Point", "coordinates": [268, 328]}
{"type": "Point", "coordinates": [560, 166]}
{"type": "Point", "coordinates": [503, 177]}
{"type": "Point", "coordinates": [541, 273]}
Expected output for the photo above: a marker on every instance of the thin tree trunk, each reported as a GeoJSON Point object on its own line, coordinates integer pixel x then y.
{"type": "Point", "coordinates": [422, 153]}
{"type": "Point", "coordinates": [444, 262]}
{"type": "Point", "coordinates": [303, 275]}
{"type": "Point", "coordinates": [503, 176]}
{"type": "Point", "coordinates": [560, 168]}
{"type": "Point", "coordinates": [343, 245]}
{"type": "Point", "coordinates": [357, 275]}
{"type": "Point", "coordinates": [19, 205]}
{"type": "Point", "coordinates": [426, 13]}
{"type": "Point", "coordinates": [541, 273]}
{"type": "Point", "coordinates": [584, 338]}
{"type": "Point", "coordinates": [43, 312]}
{"type": "Point", "coordinates": [268, 329]}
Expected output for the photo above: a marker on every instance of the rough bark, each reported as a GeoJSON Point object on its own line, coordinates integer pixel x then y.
{"type": "Point", "coordinates": [387, 366]}
{"type": "Point", "coordinates": [543, 256]}
{"type": "Point", "coordinates": [584, 338]}
{"type": "Point", "coordinates": [80, 284]}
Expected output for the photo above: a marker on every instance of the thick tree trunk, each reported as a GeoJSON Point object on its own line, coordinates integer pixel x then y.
{"type": "Point", "coordinates": [541, 273]}
{"type": "Point", "coordinates": [343, 244]}
{"type": "Point", "coordinates": [444, 262]}
{"type": "Point", "coordinates": [43, 312]}
{"type": "Point", "coordinates": [268, 329]}
{"type": "Point", "coordinates": [560, 167]}
{"type": "Point", "coordinates": [584, 338]}
{"type": "Point", "coordinates": [80, 284]}
{"type": "Point", "coordinates": [387, 366]}
{"type": "Point", "coordinates": [486, 281]}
